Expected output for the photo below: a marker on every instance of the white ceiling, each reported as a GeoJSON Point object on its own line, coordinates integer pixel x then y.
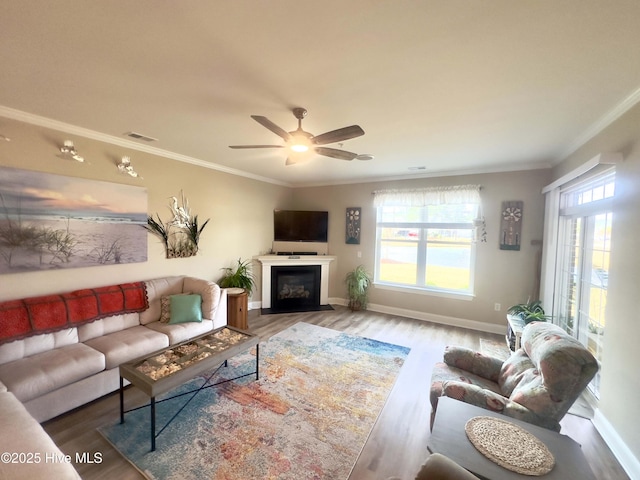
{"type": "Point", "coordinates": [451, 86]}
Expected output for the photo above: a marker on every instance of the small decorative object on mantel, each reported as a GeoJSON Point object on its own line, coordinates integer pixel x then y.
{"type": "Point", "coordinates": [353, 225]}
{"type": "Point", "coordinates": [511, 225]}
{"type": "Point", "coordinates": [181, 234]}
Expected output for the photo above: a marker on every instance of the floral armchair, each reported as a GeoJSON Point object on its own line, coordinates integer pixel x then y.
{"type": "Point", "coordinates": [537, 384]}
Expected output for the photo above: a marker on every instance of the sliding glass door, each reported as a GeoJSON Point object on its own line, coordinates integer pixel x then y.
{"type": "Point", "coordinates": [582, 276]}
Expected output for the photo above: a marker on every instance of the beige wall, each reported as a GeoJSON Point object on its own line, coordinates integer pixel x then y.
{"type": "Point", "coordinates": [240, 209]}
{"type": "Point", "coordinates": [505, 277]}
{"type": "Point", "coordinates": [620, 387]}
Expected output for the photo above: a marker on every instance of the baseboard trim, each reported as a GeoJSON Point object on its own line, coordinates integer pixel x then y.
{"type": "Point", "coordinates": [431, 317]}
{"type": "Point", "coordinates": [618, 447]}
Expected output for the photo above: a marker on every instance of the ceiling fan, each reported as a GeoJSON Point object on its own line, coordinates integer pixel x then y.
{"type": "Point", "coordinates": [299, 142]}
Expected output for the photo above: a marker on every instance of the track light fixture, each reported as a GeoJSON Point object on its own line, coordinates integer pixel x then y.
{"type": "Point", "coordinates": [69, 150]}
{"type": "Point", "coordinates": [125, 167]}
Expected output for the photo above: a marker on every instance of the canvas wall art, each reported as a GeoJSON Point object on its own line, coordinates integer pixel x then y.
{"type": "Point", "coordinates": [52, 221]}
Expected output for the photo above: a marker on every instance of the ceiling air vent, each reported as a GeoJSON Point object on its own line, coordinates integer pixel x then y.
{"type": "Point", "coordinates": [139, 136]}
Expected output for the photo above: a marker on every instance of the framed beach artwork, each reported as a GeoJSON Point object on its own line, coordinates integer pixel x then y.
{"type": "Point", "coordinates": [52, 221]}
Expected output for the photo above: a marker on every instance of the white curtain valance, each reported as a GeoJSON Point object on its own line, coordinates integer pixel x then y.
{"type": "Point", "coordinates": [419, 197]}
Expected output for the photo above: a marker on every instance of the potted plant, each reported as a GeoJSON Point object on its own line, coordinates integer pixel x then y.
{"type": "Point", "coordinates": [358, 282]}
{"type": "Point", "coordinates": [239, 277]}
{"type": "Point", "coordinates": [529, 312]}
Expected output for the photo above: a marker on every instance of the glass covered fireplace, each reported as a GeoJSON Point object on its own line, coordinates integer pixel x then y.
{"type": "Point", "coordinates": [295, 288]}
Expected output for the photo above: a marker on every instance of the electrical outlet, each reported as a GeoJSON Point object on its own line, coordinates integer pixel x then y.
{"type": "Point", "coordinates": [359, 254]}
{"type": "Point", "coordinates": [497, 307]}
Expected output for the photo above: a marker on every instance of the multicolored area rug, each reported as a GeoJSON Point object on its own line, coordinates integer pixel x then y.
{"type": "Point", "coordinates": [319, 395]}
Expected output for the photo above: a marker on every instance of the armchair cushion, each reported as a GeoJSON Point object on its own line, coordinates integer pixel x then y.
{"type": "Point", "coordinates": [495, 402]}
{"type": "Point", "coordinates": [513, 370]}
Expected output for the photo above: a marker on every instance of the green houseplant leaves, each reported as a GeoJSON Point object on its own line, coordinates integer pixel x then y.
{"type": "Point", "coordinates": [358, 282]}
{"type": "Point", "coordinates": [529, 312]}
{"type": "Point", "coordinates": [239, 276]}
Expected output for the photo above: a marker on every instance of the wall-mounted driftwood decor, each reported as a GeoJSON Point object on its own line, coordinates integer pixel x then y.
{"type": "Point", "coordinates": [181, 234]}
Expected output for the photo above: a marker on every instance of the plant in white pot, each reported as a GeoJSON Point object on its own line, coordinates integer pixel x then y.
{"type": "Point", "coordinates": [358, 282]}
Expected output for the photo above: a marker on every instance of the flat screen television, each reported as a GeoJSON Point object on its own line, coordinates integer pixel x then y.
{"type": "Point", "coordinates": [300, 226]}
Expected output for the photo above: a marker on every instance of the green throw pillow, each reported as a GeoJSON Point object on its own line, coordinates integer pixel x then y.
{"type": "Point", "coordinates": [186, 308]}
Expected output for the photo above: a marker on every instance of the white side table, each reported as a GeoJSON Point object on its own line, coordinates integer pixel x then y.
{"type": "Point", "coordinates": [515, 325]}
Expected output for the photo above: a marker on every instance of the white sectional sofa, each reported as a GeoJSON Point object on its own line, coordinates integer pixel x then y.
{"type": "Point", "coordinates": [52, 373]}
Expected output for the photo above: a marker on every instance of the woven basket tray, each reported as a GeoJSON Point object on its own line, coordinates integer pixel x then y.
{"type": "Point", "coordinates": [509, 446]}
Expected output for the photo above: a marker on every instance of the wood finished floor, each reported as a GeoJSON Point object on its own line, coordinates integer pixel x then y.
{"type": "Point", "coordinates": [397, 445]}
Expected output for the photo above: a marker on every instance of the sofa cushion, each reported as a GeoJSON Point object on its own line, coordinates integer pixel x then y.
{"type": "Point", "coordinates": [107, 325]}
{"type": "Point", "coordinates": [181, 332]}
{"type": "Point", "coordinates": [36, 375]}
{"type": "Point", "coordinates": [155, 290]}
{"type": "Point", "coordinates": [165, 306]}
{"type": "Point", "coordinates": [37, 344]}
{"type": "Point", "coordinates": [124, 345]}
{"type": "Point", "coordinates": [209, 291]}
{"type": "Point", "coordinates": [21, 433]}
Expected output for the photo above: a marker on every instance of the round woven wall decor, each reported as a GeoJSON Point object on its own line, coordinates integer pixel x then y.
{"type": "Point", "coordinates": [509, 445]}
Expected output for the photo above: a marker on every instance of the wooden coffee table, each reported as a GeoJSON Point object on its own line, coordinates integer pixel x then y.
{"type": "Point", "coordinates": [449, 438]}
{"type": "Point", "coordinates": [170, 367]}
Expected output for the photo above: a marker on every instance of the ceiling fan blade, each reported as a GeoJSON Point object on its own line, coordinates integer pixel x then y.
{"type": "Point", "coordinates": [265, 122]}
{"type": "Point", "coordinates": [338, 135]}
{"type": "Point", "coordinates": [256, 146]}
{"type": "Point", "coordinates": [335, 153]}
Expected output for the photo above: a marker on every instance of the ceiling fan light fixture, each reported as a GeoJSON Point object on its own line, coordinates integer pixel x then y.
{"type": "Point", "coordinates": [299, 142]}
{"type": "Point", "coordinates": [298, 147]}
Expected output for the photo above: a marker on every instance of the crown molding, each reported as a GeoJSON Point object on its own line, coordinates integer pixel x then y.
{"type": "Point", "coordinates": [611, 116]}
{"type": "Point", "coordinates": [435, 174]}
{"type": "Point", "coordinates": [45, 122]}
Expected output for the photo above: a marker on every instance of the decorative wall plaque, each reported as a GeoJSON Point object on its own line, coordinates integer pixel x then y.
{"type": "Point", "coordinates": [511, 225]}
{"type": "Point", "coordinates": [353, 226]}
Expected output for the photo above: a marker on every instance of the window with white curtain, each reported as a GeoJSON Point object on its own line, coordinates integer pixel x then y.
{"type": "Point", "coordinates": [425, 238]}
{"type": "Point", "coordinates": [582, 269]}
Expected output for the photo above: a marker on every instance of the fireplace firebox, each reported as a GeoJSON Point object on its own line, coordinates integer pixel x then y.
{"type": "Point", "coordinates": [295, 288]}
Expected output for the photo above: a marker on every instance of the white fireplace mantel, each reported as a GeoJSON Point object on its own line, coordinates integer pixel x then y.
{"type": "Point", "coordinates": [269, 261]}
